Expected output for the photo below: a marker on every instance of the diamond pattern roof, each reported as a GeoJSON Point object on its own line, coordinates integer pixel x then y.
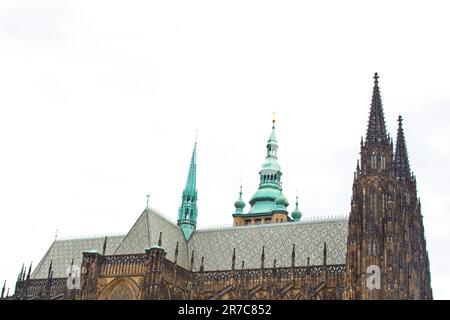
{"type": "Point", "coordinates": [215, 245]}
{"type": "Point", "coordinates": [61, 253]}
{"type": "Point", "coordinates": [145, 233]}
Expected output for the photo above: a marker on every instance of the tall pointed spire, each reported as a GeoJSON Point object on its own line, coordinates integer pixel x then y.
{"type": "Point", "coordinates": [376, 129]}
{"type": "Point", "coordinates": [401, 154]}
{"type": "Point", "coordinates": [192, 175]}
{"type": "Point", "coordinates": [187, 214]}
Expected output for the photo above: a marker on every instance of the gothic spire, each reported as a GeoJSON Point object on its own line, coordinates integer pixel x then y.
{"type": "Point", "coordinates": [192, 175]}
{"type": "Point", "coordinates": [376, 129]}
{"type": "Point", "coordinates": [187, 215]}
{"type": "Point", "coordinates": [105, 242]}
{"type": "Point", "coordinates": [29, 270]}
{"type": "Point", "coordinates": [401, 154]}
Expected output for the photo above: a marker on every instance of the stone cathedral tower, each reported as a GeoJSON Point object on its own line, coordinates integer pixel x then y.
{"type": "Point", "coordinates": [386, 250]}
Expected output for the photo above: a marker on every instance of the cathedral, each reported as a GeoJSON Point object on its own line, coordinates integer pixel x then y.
{"type": "Point", "coordinates": [376, 252]}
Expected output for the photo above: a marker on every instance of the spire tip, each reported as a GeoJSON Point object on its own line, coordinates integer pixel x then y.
{"type": "Point", "coordinates": [376, 76]}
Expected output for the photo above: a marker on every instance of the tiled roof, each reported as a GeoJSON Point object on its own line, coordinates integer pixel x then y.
{"type": "Point", "coordinates": [216, 245]}
{"type": "Point", "coordinates": [145, 233]}
{"type": "Point", "coordinates": [61, 252]}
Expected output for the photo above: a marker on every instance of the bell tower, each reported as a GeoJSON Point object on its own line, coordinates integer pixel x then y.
{"type": "Point", "coordinates": [268, 204]}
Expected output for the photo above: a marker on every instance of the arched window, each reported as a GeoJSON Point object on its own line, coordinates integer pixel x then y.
{"type": "Point", "coordinates": [383, 162]}
{"type": "Point", "coordinates": [372, 248]}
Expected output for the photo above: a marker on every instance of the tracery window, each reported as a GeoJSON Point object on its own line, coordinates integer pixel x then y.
{"type": "Point", "coordinates": [383, 162]}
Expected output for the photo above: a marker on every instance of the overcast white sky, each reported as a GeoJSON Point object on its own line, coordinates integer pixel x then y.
{"type": "Point", "coordinates": [100, 100]}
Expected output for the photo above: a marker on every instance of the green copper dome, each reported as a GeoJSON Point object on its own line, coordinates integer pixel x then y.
{"type": "Point", "coordinates": [239, 204]}
{"type": "Point", "coordinates": [281, 201]}
{"type": "Point", "coordinates": [269, 190]}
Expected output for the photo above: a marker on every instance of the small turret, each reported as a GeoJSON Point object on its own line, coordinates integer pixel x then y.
{"type": "Point", "coordinates": [239, 204]}
{"type": "Point", "coordinates": [296, 214]}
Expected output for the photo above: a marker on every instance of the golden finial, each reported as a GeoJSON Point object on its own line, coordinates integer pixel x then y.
{"type": "Point", "coordinates": [273, 120]}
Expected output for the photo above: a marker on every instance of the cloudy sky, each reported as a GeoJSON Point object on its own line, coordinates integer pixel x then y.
{"type": "Point", "coordinates": [100, 101]}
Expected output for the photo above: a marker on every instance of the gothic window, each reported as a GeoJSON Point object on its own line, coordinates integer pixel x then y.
{"type": "Point", "coordinates": [383, 162]}
{"type": "Point", "coordinates": [371, 249]}
{"type": "Point", "coordinates": [374, 161]}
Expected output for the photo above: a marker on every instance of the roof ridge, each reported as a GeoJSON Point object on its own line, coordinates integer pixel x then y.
{"type": "Point", "coordinates": [162, 215]}
{"type": "Point", "coordinates": [307, 220]}
{"type": "Point", "coordinates": [91, 236]}
{"type": "Point", "coordinates": [41, 262]}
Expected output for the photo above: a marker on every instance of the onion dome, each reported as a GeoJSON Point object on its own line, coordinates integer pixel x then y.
{"type": "Point", "coordinates": [239, 204]}
{"type": "Point", "coordinates": [296, 214]}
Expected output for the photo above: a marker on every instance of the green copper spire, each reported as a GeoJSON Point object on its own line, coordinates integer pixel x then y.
{"type": "Point", "coordinates": [187, 214]}
{"type": "Point", "coordinates": [269, 190]}
{"type": "Point", "coordinates": [296, 214]}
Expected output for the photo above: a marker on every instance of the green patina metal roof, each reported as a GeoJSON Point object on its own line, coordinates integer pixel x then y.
{"type": "Point", "coordinates": [269, 190]}
{"type": "Point", "coordinates": [239, 204]}
{"type": "Point", "coordinates": [187, 214]}
{"type": "Point", "coordinates": [296, 214]}
{"type": "Point", "coordinates": [191, 180]}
